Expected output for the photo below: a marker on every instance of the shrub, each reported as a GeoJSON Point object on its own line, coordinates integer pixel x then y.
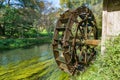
{"type": "Point", "coordinates": [107, 66]}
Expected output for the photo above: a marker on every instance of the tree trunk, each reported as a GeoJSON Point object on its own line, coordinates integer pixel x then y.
{"type": "Point", "coordinates": [2, 30]}
{"type": "Point", "coordinates": [8, 2]}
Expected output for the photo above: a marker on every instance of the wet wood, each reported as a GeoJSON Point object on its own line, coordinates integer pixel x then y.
{"type": "Point", "coordinates": [70, 43]}
{"type": "Point", "coordinates": [92, 42]}
{"type": "Point", "coordinates": [60, 28]}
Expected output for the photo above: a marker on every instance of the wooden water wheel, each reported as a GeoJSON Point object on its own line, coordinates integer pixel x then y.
{"type": "Point", "coordinates": [75, 38]}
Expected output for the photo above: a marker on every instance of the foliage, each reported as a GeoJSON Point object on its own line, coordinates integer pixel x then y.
{"type": "Point", "coordinates": [18, 43]}
{"type": "Point", "coordinates": [13, 23]}
{"type": "Point", "coordinates": [10, 19]}
{"type": "Point", "coordinates": [77, 3]}
{"type": "Point", "coordinates": [26, 18]}
{"type": "Point", "coordinates": [94, 5]}
{"type": "Point", "coordinates": [111, 61]}
{"type": "Point", "coordinates": [107, 66]}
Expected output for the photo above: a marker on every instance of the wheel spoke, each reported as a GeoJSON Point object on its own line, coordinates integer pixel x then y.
{"type": "Point", "coordinates": [72, 31]}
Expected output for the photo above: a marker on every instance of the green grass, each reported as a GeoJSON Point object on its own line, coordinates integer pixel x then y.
{"type": "Point", "coordinates": [12, 43]}
{"type": "Point", "coordinates": [26, 42]}
{"type": "Point", "coordinates": [107, 66]}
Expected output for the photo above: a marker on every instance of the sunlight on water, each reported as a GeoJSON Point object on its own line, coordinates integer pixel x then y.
{"type": "Point", "coordinates": [35, 63]}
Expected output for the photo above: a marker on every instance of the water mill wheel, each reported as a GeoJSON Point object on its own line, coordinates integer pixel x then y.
{"type": "Point", "coordinates": [74, 40]}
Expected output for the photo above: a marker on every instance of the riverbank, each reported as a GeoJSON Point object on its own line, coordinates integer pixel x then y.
{"type": "Point", "coordinates": [6, 44]}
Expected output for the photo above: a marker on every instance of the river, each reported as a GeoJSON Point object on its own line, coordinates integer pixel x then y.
{"type": "Point", "coordinates": [34, 63]}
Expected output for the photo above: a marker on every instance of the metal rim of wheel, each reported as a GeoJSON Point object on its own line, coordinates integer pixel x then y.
{"type": "Point", "coordinates": [74, 39]}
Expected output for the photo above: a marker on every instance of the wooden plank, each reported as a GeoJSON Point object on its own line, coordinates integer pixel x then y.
{"type": "Point", "coordinates": [64, 20]}
{"type": "Point", "coordinates": [64, 68]}
{"type": "Point", "coordinates": [61, 59]}
{"type": "Point", "coordinates": [92, 42]}
{"type": "Point", "coordinates": [60, 28]}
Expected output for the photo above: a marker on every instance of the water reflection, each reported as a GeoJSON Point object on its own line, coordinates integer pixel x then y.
{"type": "Point", "coordinates": [4, 60]}
{"type": "Point", "coordinates": [36, 63]}
{"type": "Point", "coordinates": [17, 55]}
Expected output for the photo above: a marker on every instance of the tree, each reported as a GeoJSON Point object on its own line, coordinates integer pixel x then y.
{"type": "Point", "coordinates": [94, 5]}
{"type": "Point", "coordinates": [26, 17]}
{"type": "Point", "coordinates": [1, 3]}
{"type": "Point", "coordinates": [77, 3]}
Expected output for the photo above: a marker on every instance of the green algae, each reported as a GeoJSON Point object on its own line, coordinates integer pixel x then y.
{"type": "Point", "coordinates": [24, 70]}
{"type": "Point", "coordinates": [33, 69]}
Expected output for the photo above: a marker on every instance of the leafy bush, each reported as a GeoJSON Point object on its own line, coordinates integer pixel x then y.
{"type": "Point", "coordinates": [18, 43]}
{"type": "Point", "coordinates": [110, 64]}
{"type": "Point", "coordinates": [107, 66]}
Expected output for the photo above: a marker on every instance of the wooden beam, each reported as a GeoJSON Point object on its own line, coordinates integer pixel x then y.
{"type": "Point", "coordinates": [92, 42]}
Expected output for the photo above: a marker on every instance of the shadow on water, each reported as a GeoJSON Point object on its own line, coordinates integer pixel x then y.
{"type": "Point", "coordinates": [36, 63]}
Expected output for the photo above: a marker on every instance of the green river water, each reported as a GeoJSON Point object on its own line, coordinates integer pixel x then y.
{"type": "Point", "coordinates": [35, 63]}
